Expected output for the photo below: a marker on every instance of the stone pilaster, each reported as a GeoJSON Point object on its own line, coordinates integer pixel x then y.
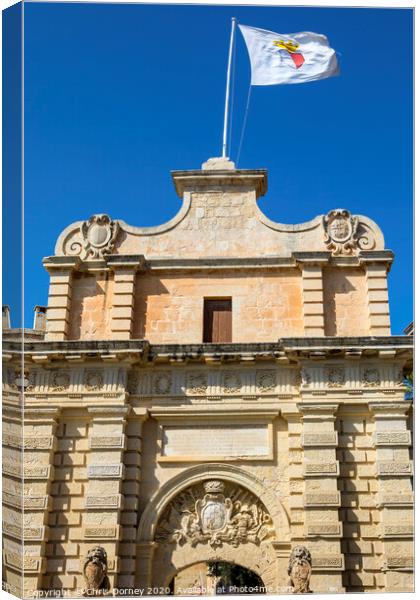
{"type": "Point", "coordinates": [377, 298]}
{"type": "Point", "coordinates": [291, 414]}
{"type": "Point", "coordinates": [122, 317]}
{"type": "Point", "coordinates": [39, 444]}
{"type": "Point", "coordinates": [323, 529]}
{"type": "Point", "coordinates": [131, 492]}
{"type": "Point", "coordinates": [61, 271]}
{"type": "Point", "coordinates": [12, 513]}
{"type": "Point", "coordinates": [312, 293]}
{"type": "Point", "coordinates": [101, 520]}
{"type": "Point", "coordinates": [392, 441]}
{"type": "Point", "coordinates": [144, 562]}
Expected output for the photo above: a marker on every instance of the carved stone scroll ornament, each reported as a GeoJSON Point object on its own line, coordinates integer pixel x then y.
{"type": "Point", "coordinates": [209, 514]}
{"type": "Point", "coordinates": [93, 238]}
{"type": "Point", "coordinates": [341, 232]}
{"type": "Point", "coordinates": [299, 570]}
{"type": "Point", "coordinates": [99, 233]}
{"type": "Point", "coordinates": [95, 571]}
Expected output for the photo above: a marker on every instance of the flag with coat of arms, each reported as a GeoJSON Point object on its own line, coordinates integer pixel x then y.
{"type": "Point", "coordinates": [278, 58]}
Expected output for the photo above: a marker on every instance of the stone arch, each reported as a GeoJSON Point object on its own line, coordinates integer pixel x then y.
{"type": "Point", "coordinates": [240, 562]}
{"type": "Point", "coordinates": [156, 562]}
{"type": "Point", "coordinates": [152, 512]}
{"type": "Point", "coordinates": [260, 560]}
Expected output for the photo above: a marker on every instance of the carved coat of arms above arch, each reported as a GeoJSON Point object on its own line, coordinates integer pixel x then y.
{"type": "Point", "coordinates": [215, 513]}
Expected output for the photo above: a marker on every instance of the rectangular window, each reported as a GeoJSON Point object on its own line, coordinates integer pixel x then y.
{"type": "Point", "coordinates": [217, 320]}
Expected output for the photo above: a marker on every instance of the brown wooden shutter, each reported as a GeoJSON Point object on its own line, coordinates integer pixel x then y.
{"type": "Point", "coordinates": [217, 320]}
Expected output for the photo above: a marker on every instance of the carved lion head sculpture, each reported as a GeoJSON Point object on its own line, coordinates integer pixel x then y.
{"type": "Point", "coordinates": [299, 555]}
{"type": "Point", "coordinates": [95, 570]}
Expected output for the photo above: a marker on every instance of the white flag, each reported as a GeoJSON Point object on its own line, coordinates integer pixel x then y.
{"type": "Point", "coordinates": [288, 57]}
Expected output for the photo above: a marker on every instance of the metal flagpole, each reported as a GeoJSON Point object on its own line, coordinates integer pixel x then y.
{"type": "Point", "coordinates": [232, 34]}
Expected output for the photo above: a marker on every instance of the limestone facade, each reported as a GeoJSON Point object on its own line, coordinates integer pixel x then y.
{"type": "Point", "coordinates": [169, 452]}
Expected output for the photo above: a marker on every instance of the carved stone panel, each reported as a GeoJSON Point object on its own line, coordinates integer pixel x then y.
{"type": "Point", "coordinates": [94, 380]}
{"type": "Point", "coordinates": [335, 377]}
{"type": "Point", "coordinates": [197, 384]}
{"type": "Point", "coordinates": [340, 229]}
{"type": "Point", "coordinates": [99, 234]}
{"type": "Point", "coordinates": [215, 513]}
{"type": "Point", "coordinates": [266, 381]}
{"type": "Point", "coordinates": [371, 378]}
{"type": "Point", "coordinates": [162, 383]}
{"type": "Point", "coordinates": [216, 440]}
{"type": "Point", "coordinates": [232, 383]}
{"type": "Point", "coordinates": [60, 381]}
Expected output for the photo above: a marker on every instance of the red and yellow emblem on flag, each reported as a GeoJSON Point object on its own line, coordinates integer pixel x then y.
{"type": "Point", "coordinates": [291, 48]}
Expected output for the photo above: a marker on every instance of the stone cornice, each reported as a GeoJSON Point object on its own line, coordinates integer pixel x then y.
{"type": "Point", "coordinates": [139, 262]}
{"type": "Point", "coordinates": [256, 414]}
{"type": "Point", "coordinates": [194, 180]}
{"type": "Point", "coordinates": [61, 263]}
{"type": "Point", "coordinates": [285, 351]}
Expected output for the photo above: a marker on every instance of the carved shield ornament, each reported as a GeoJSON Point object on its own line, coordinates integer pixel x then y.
{"type": "Point", "coordinates": [340, 229]}
{"type": "Point", "coordinates": [99, 234]}
{"type": "Point", "coordinates": [214, 509]}
{"type": "Point", "coordinates": [213, 516]}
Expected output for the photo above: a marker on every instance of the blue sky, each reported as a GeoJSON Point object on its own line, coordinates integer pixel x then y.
{"type": "Point", "coordinates": [118, 95]}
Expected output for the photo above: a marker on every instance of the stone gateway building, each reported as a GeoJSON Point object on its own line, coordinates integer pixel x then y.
{"type": "Point", "coordinates": [215, 390]}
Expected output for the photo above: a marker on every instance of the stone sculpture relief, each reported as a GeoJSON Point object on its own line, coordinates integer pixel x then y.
{"type": "Point", "coordinates": [299, 570]}
{"type": "Point", "coordinates": [162, 383]}
{"type": "Point", "coordinates": [345, 234]}
{"type": "Point", "coordinates": [60, 381]}
{"type": "Point", "coordinates": [99, 233]}
{"type": "Point", "coordinates": [197, 383]}
{"type": "Point", "coordinates": [266, 381]}
{"type": "Point", "coordinates": [94, 239]}
{"type": "Point", "coordinates": [94, 380]}
{"type": "Point", "coordinates": [371, 378]}
{"type": "Point", "coordinates": [211, 514]}
{"type": "Point", "coordinates": [339, 230]}
{"type": "Point", "coordinates": [232, 383]}
{"type": "Point", "coordinates": [335, 377]}
{"type": "Point", "coordinates": [95, 571]}
{"type": "Point", "coordinates": [31, 379]}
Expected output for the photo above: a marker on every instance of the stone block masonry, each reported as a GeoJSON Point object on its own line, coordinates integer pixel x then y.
{"type": "Point", "coordinates": [124, 430]}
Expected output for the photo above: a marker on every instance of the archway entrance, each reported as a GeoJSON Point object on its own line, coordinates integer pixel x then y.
{"type": "Point", "coordinates": [212, 513]}
{"type": "Point", "coordinates": [234, 579]}
{"type": "Point", "coordinates": [216, 578]}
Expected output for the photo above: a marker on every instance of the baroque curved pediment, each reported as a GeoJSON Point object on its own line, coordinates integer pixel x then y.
{"type": "Point", "coordinates": [190, 236]}
{"type": "Point", "coordinates": [219, 217]}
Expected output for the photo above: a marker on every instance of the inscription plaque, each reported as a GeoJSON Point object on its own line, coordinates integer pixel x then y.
{"type": "Point", "coordinates": [216, 440]}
